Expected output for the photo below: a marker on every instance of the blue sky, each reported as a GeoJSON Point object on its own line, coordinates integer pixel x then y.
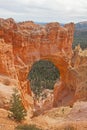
{"type": "Point", "coordinates": [63, 11]}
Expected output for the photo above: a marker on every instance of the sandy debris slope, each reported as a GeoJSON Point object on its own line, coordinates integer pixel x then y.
{"type": "Point", "coordinates": [62, 117]}
{"type": "Point", "coordinates": [5, 122]}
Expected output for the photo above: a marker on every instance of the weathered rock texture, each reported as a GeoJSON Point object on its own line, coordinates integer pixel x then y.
{"type": "Point", "coordinates": [64, 118]}
{"type": "Point", "coordinates": [74, 87]}
{"type": "Point", "coordinates": [61, 118]}
{"type": "Point", "coordinates": [21, 44]}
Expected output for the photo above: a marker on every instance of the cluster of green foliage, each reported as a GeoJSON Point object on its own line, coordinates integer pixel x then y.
{"type": "Point", "coordinates": [27, 127]}
{"type": "Point", "coordinates": [43, 74]}
{"type": "Point", "coordinates": [80, 37]}
{"type": "Point", "coordinates": [17, 109]}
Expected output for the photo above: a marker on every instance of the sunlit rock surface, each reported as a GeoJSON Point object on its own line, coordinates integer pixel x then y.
{"type": "Point", "coordinates": [21, 44]}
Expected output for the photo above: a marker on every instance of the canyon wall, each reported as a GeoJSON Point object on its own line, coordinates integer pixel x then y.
{"type": "Point", "coordinates": [74, 87]}
{"type": "Point", "coordinates": [21, 44]}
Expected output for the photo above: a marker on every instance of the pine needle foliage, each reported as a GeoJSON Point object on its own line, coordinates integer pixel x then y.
{"type": "Point", "coordinates": [43, 75]}
{"type": "Point", "coordinates": [17, 109]}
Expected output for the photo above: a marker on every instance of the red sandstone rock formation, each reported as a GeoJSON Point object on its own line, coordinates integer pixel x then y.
{"type": "Point", "coordinates": [75, 85]}
{"type": "Point", "coordinates": [21, 44]}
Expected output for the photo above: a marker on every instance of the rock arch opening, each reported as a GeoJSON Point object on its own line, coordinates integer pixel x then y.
{"type": "Point", "coordinates": [43, 75]}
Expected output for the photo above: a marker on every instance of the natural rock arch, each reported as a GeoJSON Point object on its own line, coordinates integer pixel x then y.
{"type": "Point", "coordinates": [24, 43]}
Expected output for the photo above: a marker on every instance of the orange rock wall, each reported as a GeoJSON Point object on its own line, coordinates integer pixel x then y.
{"type": "Point", "coordinates": [74, 87]}
{"type": "Point", "coordinates": [26, 43]}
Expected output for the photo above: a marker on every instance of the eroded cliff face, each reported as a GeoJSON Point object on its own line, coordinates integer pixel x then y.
{"type": "Point", "coordinates": [74, 88]}
{"type": "Point", "coordinates": [21, 44]}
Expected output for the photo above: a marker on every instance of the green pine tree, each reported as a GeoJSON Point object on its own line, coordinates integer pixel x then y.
{"type": "Point", "coordinates": [17, 109]}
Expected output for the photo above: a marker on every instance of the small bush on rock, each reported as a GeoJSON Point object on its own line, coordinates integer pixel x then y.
{"type": "Point", "coordinates": [27, 127]}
